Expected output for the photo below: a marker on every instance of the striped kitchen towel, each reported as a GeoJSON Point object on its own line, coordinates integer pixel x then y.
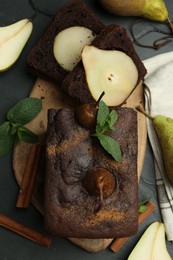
{"type": "Point", "coordinates": [159, 100]}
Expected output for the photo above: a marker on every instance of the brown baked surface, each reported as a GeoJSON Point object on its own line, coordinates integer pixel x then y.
{"type": "Point", "coordinates": [41, 61]}
{"type": "Point", "coordinates": [112, 37]}
{"type": "Point", "coordinates": [71, 152]}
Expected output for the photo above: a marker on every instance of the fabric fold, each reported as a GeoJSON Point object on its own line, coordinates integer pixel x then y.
{"type": "Point", "coordinates": [159, 81]}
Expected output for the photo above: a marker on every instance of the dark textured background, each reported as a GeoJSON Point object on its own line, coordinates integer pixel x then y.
{"type": "Point", "coordinates": [16, 84]}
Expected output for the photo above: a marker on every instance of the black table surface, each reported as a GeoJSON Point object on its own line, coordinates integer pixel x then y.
{"type": "Point", "coordinates": [16, 84]}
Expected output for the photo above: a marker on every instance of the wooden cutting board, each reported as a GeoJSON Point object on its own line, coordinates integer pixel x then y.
{"type": "Point", "coordinates": [52, 97]}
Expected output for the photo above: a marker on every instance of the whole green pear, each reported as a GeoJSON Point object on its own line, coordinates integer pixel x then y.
{"type": "Point", "coordinates": [151, 9]}
{"type": "Point", "coordinates": [164, 128]}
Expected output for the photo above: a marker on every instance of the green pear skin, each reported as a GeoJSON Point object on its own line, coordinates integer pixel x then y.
{"type": "Point", "coordinates": [151, 9]}
{"type": "Point", "coordinates": [155, 10]}
{"type": "Point", "coordinates": [164, 128]}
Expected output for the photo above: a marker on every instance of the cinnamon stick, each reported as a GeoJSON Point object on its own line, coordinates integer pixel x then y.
{"type": "Point", "coordinates": [24, 231]}
{"type": "Point", "coordinates": [117, 243]}
{"type": "Point", "coordinates": [29, 177]}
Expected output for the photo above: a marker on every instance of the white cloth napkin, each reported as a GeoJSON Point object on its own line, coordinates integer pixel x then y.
{"type": "Point", "coordinates": [160, 82]}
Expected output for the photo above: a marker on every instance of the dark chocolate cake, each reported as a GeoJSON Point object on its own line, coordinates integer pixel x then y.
{"type": "Point", "coordinates": [70, 211]}
{"type": "Point", "coordinates": [41, 60]}
{"type": "Point", "coordinates": [112, 37]}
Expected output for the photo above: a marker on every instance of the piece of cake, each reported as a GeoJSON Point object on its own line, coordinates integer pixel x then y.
{"type": "Point", "coordinates": [41, 60]}
{"type": "Point", "coordinates": [70, 210]}
{"type": "Point", "coordinates": [112, 37]}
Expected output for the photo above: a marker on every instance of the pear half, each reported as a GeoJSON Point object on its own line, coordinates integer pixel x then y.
{"type": "Point", "coordinates": [9, 31]}
{"type": "Point", "coordinates": [110, 71]}
{"type": "Point", "coordinates": [68, 45]}
{"type": "Point", "coordinates": [152, 245]}
{"type": "Point", "coordinates": [160, 251]}
{"type": "Point", "coordinates": [144, 247]}
{"type": "Point", "coordinates": [12, 41]}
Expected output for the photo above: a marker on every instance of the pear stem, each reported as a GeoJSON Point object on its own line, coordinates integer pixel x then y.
{"type": "Point", "coordinates": [170, 24]}
{"type": "Point", "coordinates": [101, 96]}
{"type": "Point", "coordinates": [33, 17]}
{"type": "Point", "coordinates": [140, 109]}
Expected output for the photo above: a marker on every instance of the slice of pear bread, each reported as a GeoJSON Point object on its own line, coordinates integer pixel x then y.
{"type": "Point", "coordinates": [41, 60]}
{"type": "Point", "coordinates": [112, 37]}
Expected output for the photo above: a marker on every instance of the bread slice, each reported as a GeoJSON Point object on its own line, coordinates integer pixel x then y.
{"type": "Point", "coordinates": [41, 61]}
{"type": "Point", "coordinates": [112, 37]}
{"type": "Point", "coordinates": [70, 211]}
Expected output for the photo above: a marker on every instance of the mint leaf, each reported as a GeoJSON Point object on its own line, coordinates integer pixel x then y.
{"type": "Point", "coordinates": [111, 146]}
{"type": "Point", "coordinates": [26, 135]}
{"type": "Point", "coordinates": [102, 114]}
{"type": "Point", "coordinates": [105, 119]}
{"type": "Point", "coordinates": [14, 128]}
{"type": "Point", "coordinates": [4, 129]}
{"type": "Point", "coordinates": [24, 111]}
{"type": "Point", "coordinates": [105, 122]}
{"type": "Point", "coordinates": [141, 205]}
{"type": "Point", "coordinates": [142, 208]}
{"type": "Point", "coordinates": [113, 116]}
{"type": "Point", "coordinates": [6, 139]}
{"type": "Point", "coordinates": [19, 115]}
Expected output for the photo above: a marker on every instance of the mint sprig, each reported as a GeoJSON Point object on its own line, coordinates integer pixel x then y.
{"type": "Point", "coordinates": [141, 205]}
{"type": "Point", "coordinates": [19, 115]}
{"type": "Point", "coordinates": [24, 111]}
{"type": "Point", "coordinates": [105, 122]}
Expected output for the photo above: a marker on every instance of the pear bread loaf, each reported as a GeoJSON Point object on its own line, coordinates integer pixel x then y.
{"type": "Point", "coordinates": [41, 61]}
{"type": "Point", "coordinates": [112, 37]}
{"type": "Point", "coordinates": [70, 209]}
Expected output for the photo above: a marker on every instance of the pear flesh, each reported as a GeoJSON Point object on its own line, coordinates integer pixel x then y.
{"type": "Point", "coordinates": [9, 31]}
{"type": "Point", "coordinates": [12, 41]}
{"type": "Point", "coordinates": [110, 71]}
{"type": "Point", "coordinates": [145, 244]}
{"type": "Point", "coordinates": [151, 9]}
{"type": "Point", "coordinates": [164, 128]}
{"type": "Point", "coordinates": [152, 245]}
{"type": "Point", "coordinates": [160, 250]}
{"type": "Point", "coordinates": [68, 45]}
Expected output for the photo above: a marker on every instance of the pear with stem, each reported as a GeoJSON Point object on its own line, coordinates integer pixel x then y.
{"type": "Point", "coordinates": [164, 129]}
{"type": "Point", "coordinates": [151, 9]}
{"type": "Point", "coordinates": [111, 71]}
